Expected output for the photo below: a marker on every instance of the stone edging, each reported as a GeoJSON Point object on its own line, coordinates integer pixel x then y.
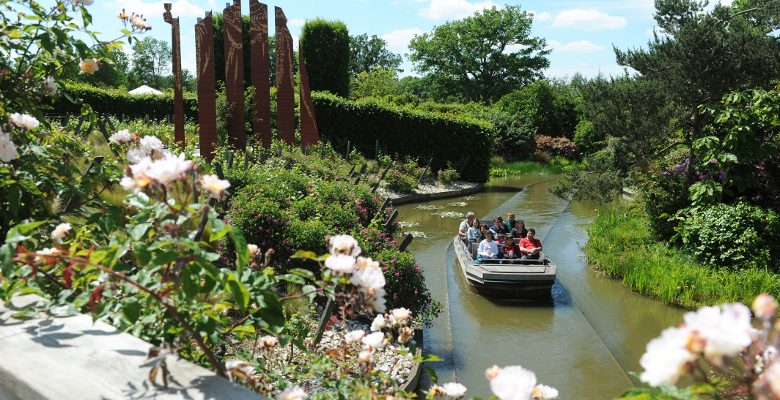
{"type": "Point", "coordinates": [420, 197]}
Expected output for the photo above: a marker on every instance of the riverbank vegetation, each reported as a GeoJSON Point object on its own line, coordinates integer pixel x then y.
{"type": "Point", "coordinates": [622, 244]}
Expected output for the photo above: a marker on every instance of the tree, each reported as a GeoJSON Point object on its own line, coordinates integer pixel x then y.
{"type": "Point", "coordinates": [151, 62]}
{"type": "Point", "coordinates": [325, 47]}
{"type": "Point", "coordinates": [482, 57]}
{"type": "Point", "coordinates": [704, 55]}
{"type": "Point", "coordinates": [548, 107]}
{"type": "Point", "coordinates": [367, 53]}
{"type": "Point", "coordinates": [375, 83]}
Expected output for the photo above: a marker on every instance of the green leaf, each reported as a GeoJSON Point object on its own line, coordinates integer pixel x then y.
{"type": "Point", "coordinates": [97, 256]}
{"type": "Point", "coordinates": [190, 280]}
{"type": "Point", "coordinates": [292, 279]}
{"type": "Point", "coordinates": [239, 291]}
{"type": "Point", "coordinates": [241, 250]}
{"type": "Point", "coordinates": [137, 232]}
{"type": "Point", "coordinates": [131, 310]}
{"type": "Point", "coordinates": [21, 232]}
{"type": "Point", "coordinates": [305, 254]}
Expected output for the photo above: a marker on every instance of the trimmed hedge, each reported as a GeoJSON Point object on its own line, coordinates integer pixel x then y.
{"type": "Point", "coordinates": [405, 132]}
{"type": "Point", "coordinates": [118, 102]}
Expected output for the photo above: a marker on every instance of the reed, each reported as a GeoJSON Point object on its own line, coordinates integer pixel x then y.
{"type": "Point", "coordinates": [621, 245]}
{"type": "Point", "coordinates": [552, 167]}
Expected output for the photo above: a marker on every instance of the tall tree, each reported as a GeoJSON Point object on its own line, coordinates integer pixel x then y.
{"type": "Point", "coordinates": [325, 47]}
{"type": "Point", "coordinates": [367, 53]}
{"type": "Point", "coordinates": [703, 55]}
{"type": "Point", "coordinates": [151, 62]}
{"type": "Point", "coordinates": [482, 57]}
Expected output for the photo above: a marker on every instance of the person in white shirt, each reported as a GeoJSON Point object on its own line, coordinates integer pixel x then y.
{"type": "Point", "coordinates": [465, 224]}
{"type": "Point", "coordinates": [474, 233]}
{"type": "Point", "coordinates": [488, 247]}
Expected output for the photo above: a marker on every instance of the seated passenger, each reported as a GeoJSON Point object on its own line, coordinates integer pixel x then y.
{"type": "Point", "coordinates": [473, 233]}
{"type": "Point", "coordinates": [483, 229]}
{"type": "Point", "coordinates": [519, 231]}
{"type": "Point", "coordinates": [530, 246]}
{"type": "Point", "coordinates": [488, 247]}
{"type": "Point", "coordinates": [499, 227]}
{"type": "Point", "coordinates": [510, 249]}
{"type": "Point", "coordinates": [465, 224]}
{"type": "Point", "coordinates": [510, 220]}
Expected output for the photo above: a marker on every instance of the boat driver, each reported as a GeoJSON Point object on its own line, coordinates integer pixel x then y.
{"type": "Point", "coordinates": [465, 224]}
{"type": "Point", "coordinates": [529, 246]}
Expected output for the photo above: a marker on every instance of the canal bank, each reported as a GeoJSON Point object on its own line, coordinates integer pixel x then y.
{"type": "Point", "coordinates": [583, 344]}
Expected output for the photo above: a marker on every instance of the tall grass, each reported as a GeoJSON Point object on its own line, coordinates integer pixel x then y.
{"type": "Point", "coordinates": [621, 244]}
{"type": "Point", "coordinates": [557, 165]}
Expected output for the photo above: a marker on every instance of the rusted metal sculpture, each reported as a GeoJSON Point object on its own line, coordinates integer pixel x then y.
{"type": "Point", "coordinates": [207, 96]}
{"type": "Point", "coordinates": [178, 98]}
{"type": "Point", "coordinates": [261, 121]}
{"type": "Point", "coordinates": [285, 97]}
{"type": "Point", "coordinates": [234, 74]}
{"type": "Point", "coordinates": [309, 133]}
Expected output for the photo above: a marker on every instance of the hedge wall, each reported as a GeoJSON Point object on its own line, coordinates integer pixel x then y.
{"type": "Point", "coordinates": [405, 132]}
{"type": "Point", "coordinates": [118, 102]}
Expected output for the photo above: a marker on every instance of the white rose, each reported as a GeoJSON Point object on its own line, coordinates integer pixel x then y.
{"type": "Point", "coordinates": [24, 121]}
{"type": "Point", "coordinates": [378, 323]}
{"type": "Point", "coordinates": [454, 389]}
{"type": "Point", "coordinates": [513, 383]}
{"type": "Point", "coordinates": [7, 148]}
{"type": "Point", "coordinates": [60, 231]}
{"type": "Point", "coordinates": [89, 66]}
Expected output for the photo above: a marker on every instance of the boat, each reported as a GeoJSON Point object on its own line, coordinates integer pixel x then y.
{"type": "Point", "coordinates": [505, 278]}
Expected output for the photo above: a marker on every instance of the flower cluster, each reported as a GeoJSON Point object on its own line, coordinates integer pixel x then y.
{"type": "Point", "coordinates": [721, 336]}
{"type": "Point", "coordinates": [365, 274]}
{"type": "Point", "coordinates": [509, 383]}
{"type": "Point", "coordinates": [137, 21]}
{"type": "Point", "coordinates": [8, 149]}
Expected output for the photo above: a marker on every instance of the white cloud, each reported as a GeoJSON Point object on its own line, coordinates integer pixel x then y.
{"type": "Point", "coordinates": [298, 22]}
{"type": "Point", "coordinates": [398, 40]}
{"type": "Point", "coordinates": [588, 20]}
{"type": "Point", "coordinates": [181, 8]}
{"type": "Point", "coordinates": [454, 9]}
{"type": "Point", "coordinates": [579, 46]}
{"type": "Point", "coordinates": [543, 16]}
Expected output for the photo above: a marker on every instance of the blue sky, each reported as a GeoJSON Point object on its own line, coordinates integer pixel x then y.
{"type": "Point", "coordinates": [580, 33]}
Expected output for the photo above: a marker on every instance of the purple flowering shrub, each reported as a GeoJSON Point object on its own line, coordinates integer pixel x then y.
{"type": "Point", "coordinates": [406, 285]}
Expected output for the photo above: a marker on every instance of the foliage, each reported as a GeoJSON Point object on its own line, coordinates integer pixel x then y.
{"type": "Point", "coordinates": [151, 62]}
{"type": "Point", "coordinates": [663, 194]}
{"type": "Point", "coordinates": [513, 137]}
{"type": "Point", "coordinates": [369, 53]}
{"type": "Point", "coordinates": [399, 182]}
{"type": "Point", "coordinates": [112, 73]}
{"type": "Point", "coordinates": [744, 138]}
{"type": "Point", "coordinates": [587, 138]}
{"type": "Point", "coordinates": [473, 58]}
{"type": "Point", "coordinates": [556, 146]}
{"type": "Point", "coordinates": [118, 103]}
{"type": "Point", "coordinates": [396, 128]}
{"type": "Point", "coordinates": [739, 236]}
{"type": "Point", "coordinates": [556, 165]}
{"type": "Point", "coordinates": [596, 178]}
{"type": "Point", "coordinates": [376, 82]}
{"type": "Point", "coordinates": [447, 175]}
{"type": "Point", "coordinates": [38, 42]}
{"type": "Point", "coordinates": [406, 282]}
{"type": "Point", "coordinates": [325, 46]}
{"type": "Point", "coordinates": [621, 243]}
{"type": "Point", "coordinates": [545, 106]}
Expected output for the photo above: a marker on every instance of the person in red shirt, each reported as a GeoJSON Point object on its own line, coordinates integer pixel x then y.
{"type": "Point", "coordinates": [510, 248]}
{"type": "Point", "coordinates": [529, 246]}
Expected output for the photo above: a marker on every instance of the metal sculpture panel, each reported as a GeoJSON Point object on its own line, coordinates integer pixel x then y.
{"type": "Point", "coordinates": [285, 97]}
{"type": "Point", "coordinates": [207, 96]}
{"type": "Point", "coordinates": [261, 121]}
{"type": "Point", "coordinates": [178, 98]}
{"type": "Point", "coordinates": [234, 75]}
{"type": "Point", "coordinates": [309, 133]}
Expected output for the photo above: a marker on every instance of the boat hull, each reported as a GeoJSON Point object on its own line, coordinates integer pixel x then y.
{"type": "Point", "coordinates": [532, 280]}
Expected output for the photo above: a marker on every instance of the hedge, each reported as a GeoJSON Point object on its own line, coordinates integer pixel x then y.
{"type": "Point", "coordinates": [406, 132]}
{"type": "Point", "coordinates": [118, 102]}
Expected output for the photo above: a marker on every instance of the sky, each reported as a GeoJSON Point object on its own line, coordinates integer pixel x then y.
{"type": "Point", "coordinates": [581, 34]}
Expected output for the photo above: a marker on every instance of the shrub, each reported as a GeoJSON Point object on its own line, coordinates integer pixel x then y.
{"type": "Point", "coordinates": [738, 236]}
{"type": "Point", "coordinates": [400, 183]}
{"type": "Point", "coordinates": [586, 138]}
{"type": "Point", "coordinates": [325, 46]}
{"type": "Point", "coordinates": [556, 146]}
{"type": "Point", "coordinates": [118, 102]}
{"type": "Point", "coordinates": [406, 284]}
{"type": "Point", "coordinates": [416, 134]}
{"type": "Point", "coordinates": [513, 137]}
{"type": "Point", "coordinates": [663, 195]}
{"type": "Point", "coordinates": [447, 175]}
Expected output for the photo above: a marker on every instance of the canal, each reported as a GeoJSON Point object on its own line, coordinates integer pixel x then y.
{"type": "Point", "coordinates": [584, 342]}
